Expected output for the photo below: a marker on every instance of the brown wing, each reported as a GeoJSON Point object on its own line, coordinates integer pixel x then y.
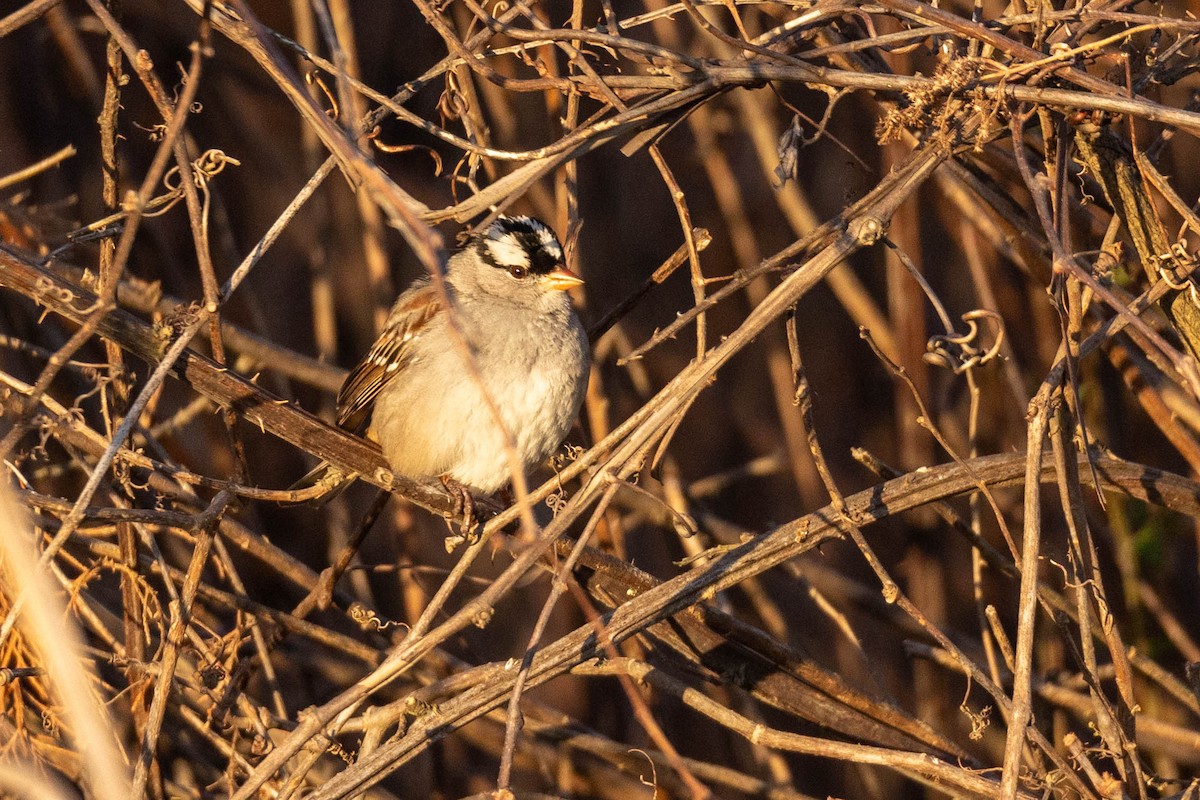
{"type": "Point", "coordinates": [386, 358]}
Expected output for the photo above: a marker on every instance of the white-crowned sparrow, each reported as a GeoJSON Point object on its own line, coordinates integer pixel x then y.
{"type": "Point", "coordinates": [414, 394]}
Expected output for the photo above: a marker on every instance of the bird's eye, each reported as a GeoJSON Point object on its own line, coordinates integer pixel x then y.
{"type": "Point", "coordinates": [518, 272]}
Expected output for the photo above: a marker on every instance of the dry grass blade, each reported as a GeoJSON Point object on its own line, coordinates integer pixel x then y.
{"type": "Point", "coordinates": [57, 645]}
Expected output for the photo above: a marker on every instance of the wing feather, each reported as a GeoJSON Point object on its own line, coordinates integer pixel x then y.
{"type": "Point", "coordinates": [386, 358]}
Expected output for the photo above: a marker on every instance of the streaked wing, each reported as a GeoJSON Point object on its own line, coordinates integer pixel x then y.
{"type": "Point", "coordinates": [386, 358]}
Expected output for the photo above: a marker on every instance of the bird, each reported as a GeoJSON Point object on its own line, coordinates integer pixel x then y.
{"type": "Point", "coordinates": [427, 406]}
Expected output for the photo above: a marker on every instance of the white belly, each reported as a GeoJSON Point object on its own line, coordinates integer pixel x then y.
{"type": "Point", "coordinates": [434, 420]}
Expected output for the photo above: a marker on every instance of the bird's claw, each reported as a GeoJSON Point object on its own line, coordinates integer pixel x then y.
{"type": "Point", "coordinates": [464, 509]}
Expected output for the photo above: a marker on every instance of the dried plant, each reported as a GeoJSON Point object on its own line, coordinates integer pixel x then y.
{"type": "Point", "coordinates": [886, 483]}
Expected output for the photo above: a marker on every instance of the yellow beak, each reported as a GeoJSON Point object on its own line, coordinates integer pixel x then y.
{"type": "Point", "coordinates": [562, 279]}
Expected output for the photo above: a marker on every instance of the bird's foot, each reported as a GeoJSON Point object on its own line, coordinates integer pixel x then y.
{"type": "Point", "coordinates": [464, 509]}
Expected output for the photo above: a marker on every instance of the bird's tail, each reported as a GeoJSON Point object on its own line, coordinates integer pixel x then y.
{"type": "Point", "coordinates": [331, 480]}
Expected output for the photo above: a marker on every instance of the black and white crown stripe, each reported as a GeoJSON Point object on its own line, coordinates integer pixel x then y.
{"type": "Point", "coordinates": [521, 242]}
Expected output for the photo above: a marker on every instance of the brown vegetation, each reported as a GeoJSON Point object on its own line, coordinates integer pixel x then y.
{"type": "Point", "coordinates": [886, 480]}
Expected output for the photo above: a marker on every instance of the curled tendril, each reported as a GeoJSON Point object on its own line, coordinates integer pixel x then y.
{"type": "Point", "coordinates": [155, 133]}
{"type": "Point", "coordinates": [313, 78]}
{"type": "Point", "coordinates": [962, 352]}
{"type": "Point", "coordinates": [556, 501]}
{"type": "Point", "coordinates": [979, 720]}
{"type": "Point", "coordinates": [368, 619]}
{"type": "Point", "coordinates": [373, 136]}
{"type": "Point", "coordinates": [210, 164]}
{"type": "Point", "coordinates": [452, 104]}
{"type": "Point", "coordinates": [1176, 266]}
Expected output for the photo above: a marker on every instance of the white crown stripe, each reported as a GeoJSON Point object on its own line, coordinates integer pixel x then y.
{"type": "Point", "coordinates": [508, 253]}
{"type": "Point", "coordinates": [515, 241]}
